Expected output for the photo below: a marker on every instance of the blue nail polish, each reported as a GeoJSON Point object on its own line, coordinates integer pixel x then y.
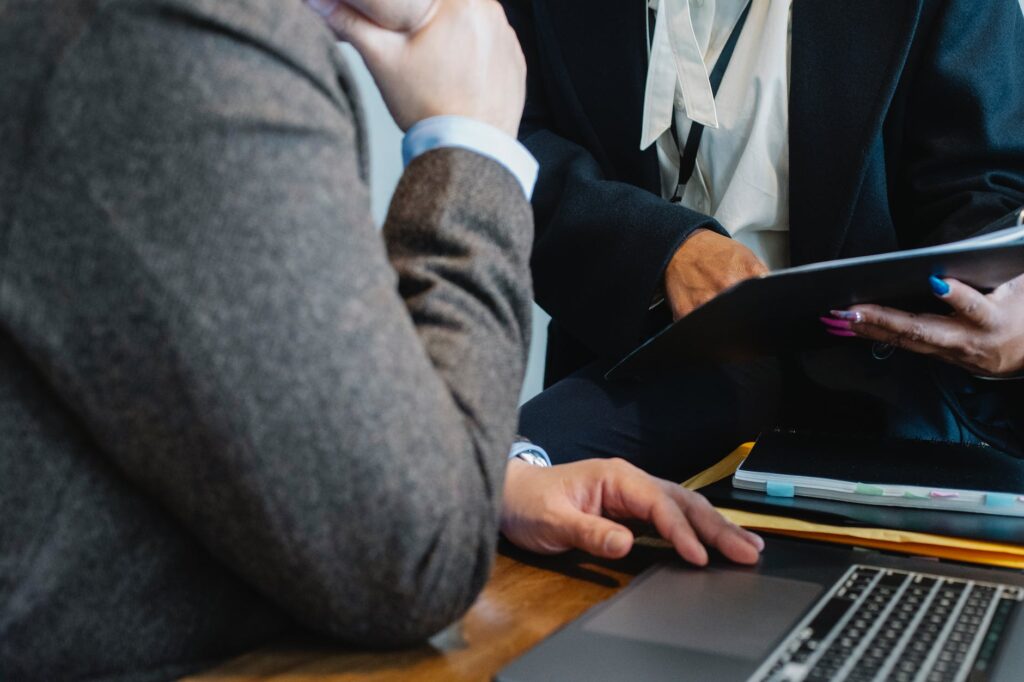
{"type": "Point", "coordinates": [938, 286]}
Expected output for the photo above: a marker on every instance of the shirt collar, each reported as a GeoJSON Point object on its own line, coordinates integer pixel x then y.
{"type": "Point", "coordinates": [677, 76]}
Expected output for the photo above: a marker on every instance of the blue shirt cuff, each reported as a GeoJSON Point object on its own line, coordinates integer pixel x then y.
{"type": "Point", "coordinates": [524, 446]}
{"type": "Point", "coordinates": [466, 133]}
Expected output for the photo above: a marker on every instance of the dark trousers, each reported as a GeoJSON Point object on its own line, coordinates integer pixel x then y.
{"type": "Point", "coordinates": [672, 426]}
{"type": "Point", "coordinates": [679, 423]}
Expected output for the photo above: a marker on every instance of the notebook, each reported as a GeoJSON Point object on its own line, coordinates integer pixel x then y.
{"type": "Point", "coordinates": [893, 473]}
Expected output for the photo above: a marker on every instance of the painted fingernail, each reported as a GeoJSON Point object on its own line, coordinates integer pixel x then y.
{"type": "Point", "coordinates": [938, 286]}
{"type": "Point", "coordinates": [835, 324]}
{"type": "Point", "coordinates": [840, 332]}
{"type": "Point", "coordinates": [849, 315]}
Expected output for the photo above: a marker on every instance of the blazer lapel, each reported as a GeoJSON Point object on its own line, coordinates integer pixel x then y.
{"type": "Point", "coordinates": [598, 62]}
{"type": "Point", "coordinates": [847, 56]}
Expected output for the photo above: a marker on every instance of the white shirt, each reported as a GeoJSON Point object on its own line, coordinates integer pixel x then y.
{"type": "Point", "coordinates": [742, 174]}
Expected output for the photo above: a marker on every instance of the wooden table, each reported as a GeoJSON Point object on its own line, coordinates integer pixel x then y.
{"type": "Point", "coordinates": [527, 598]}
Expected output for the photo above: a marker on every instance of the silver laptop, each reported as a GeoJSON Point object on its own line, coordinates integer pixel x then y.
{"type": "Point", "coordinates": [807, 612]}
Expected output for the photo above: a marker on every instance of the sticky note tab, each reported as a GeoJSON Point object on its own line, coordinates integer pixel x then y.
{"type": "Point", "coordinates": [780, 489]}
{"type": "Point", "coordinates": [999, 500]}
{"type": "Point", "coordinates": [914, 496]}
{"type": "Point", "coordinates": [865, 489]}
{"type": "Point", "coordinates": [943, 495]}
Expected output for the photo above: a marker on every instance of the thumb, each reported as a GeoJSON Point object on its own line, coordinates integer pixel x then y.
{"type": "Point", "coordinates": [598, 535]}
{"type": "Point", "coordinates": [351, 25]}
{"type": "Point", "coordinates": [967, 302]}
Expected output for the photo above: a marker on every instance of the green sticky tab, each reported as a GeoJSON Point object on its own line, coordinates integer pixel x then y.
{"type": "Point", "coordinates": [914, 496]}
{"type": "Point", "coordinates": [999, 500]}
{"type": "Point", "coordinates": [865, 489]}
{"type": "Point", "coordinates": [780, 489]}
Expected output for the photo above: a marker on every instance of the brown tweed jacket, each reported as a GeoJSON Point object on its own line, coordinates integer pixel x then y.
{"type": "Point", "coordinates": [231, 409]}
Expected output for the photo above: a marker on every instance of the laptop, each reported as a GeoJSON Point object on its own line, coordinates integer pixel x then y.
{"type": "Point", "coordinates": [807, 611]}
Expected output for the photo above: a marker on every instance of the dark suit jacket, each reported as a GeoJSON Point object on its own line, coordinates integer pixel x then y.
{"type": "Point", "coordinates": [230, 408]}
{"type": "Point", "coordinates": [906, 128]}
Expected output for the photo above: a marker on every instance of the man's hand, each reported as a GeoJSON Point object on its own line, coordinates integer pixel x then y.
{"type": "Point", "coordinates": [704, 266]}
{"type": "Point", "coordinates": [551, 510]}
{"type": "Point", "coordinates": [984, 334]}
{"type": "Point", "coordinates": [396, 15]}
{"type": "Point", "coordinates": [459, 58]}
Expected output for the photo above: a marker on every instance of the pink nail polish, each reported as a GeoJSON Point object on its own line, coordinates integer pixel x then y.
{"type": "Point", "coordinates": [835, 324]}
{"type": "Point", "coordinates": [840, 332]}
{"type": "Point", "coordinates": [849, 315]}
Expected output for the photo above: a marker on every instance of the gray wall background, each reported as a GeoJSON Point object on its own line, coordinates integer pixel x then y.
{"type": "Point", "coordinates": [386, 169]}
{"type": "Point", "coordinates": [386, 164]}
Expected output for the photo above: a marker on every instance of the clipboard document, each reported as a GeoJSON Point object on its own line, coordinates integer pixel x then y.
{"type": "Point", "coordinates": [778, 312]}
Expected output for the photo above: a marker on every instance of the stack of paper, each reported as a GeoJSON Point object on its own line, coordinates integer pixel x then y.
{"type": "Point", "coordinates": [922, 544]}
{"type": "Point", "coordinates": [885, 472]}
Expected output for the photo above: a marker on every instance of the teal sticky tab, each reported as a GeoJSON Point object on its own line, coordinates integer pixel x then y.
{"type": "Point", "coordinates": [780, 489]}
{"type": "Point", "coordinates": [914, 496]}
{"type": "Point", "coordinates": [999, 500]}
{"type": "Point", "coordinates": [865, 489]}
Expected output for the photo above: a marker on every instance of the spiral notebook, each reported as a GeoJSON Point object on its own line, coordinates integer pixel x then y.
{"type": "Point", "coordinates": [894, 473]}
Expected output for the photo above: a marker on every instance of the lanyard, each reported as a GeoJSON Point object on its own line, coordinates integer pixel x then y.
{"type": "Point", "coordinates": [689, 154]}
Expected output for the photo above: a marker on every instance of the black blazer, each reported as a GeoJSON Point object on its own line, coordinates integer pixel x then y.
{"type": "Point", "coordinates": [906, 128]}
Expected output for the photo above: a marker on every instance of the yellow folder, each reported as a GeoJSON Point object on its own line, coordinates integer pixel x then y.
{"type": "Point", "coordinates": [923, 544]}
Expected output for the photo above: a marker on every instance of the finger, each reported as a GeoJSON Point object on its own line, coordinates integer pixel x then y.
{"type": "Point", "coordinates": [628, 492]}
{"type": "Point", "coordinates": [672, 524]}
{"type": "Point", "coordinates": [967, 302]}
{"type": "Point", "coordinates": [1010, 290]}
{"type": "Point", "coordinates": [681, 309]}
{"type": "Point", "coordinates": [702, 296]}
{"type": "Point", "coordinates": [756, 267]}
{"type": "Point", "coordinates": [353, 26]}
{"type": "Point", "coordinates": [927, 334]}
{"type": "Point", "coordinates": [597, 535]}
{"type": "Point", "coordinates": [948, 345]}
{"type": "Point", "coordinates": [324, 8]}
{"type": "Point", "coordinates": [891, 337]}
{"type": "Point", "coordinates": [715, 530]}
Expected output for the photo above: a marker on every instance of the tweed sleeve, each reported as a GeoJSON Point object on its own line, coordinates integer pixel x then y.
{"type": "Point", "coordinates": [194, 269]}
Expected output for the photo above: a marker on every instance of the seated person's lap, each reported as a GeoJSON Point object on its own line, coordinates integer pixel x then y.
{"type": "Point", "coordinates": [679, 423]}
{"type": "Point", "coordinates": [673, 426]}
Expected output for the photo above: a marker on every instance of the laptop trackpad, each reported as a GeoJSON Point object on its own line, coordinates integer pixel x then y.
{"type": "Point", "coordinates": [728, 613]}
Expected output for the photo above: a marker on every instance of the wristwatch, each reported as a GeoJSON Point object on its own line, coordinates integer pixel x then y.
{"type": "Point", "coordinates": [534, 455]}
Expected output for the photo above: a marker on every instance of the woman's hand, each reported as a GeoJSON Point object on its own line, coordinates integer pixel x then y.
{"type": "Point", "coordinates": [551, 510]}
{"type": "Point", "coordinates": [984, 334]}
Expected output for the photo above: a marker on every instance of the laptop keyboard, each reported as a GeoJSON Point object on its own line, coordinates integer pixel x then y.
{"type": "Point", "coordinates": [884, 625]}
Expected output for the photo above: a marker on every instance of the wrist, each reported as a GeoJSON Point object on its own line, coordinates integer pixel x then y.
{"type": "Point", "coordinates": [675, 262]}
{"type": "Point", "coordinates": [476, 136]}
{"type": "Point", "coordinates": [516, 480]}
{"type": "Point", "coordinates": [529, 453]}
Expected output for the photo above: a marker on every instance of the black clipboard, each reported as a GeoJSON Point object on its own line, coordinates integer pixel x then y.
{"type": "Point", "coordinates": [778, 313]}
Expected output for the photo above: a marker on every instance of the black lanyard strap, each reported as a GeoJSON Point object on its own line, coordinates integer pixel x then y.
{"type": "Point", "coordinates": [689, 158]}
